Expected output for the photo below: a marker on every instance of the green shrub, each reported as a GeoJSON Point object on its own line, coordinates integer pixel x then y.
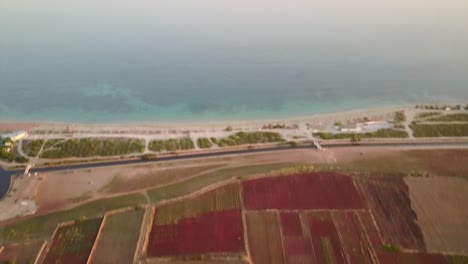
{"type": "Point", "coordinates": [242, 138]}
{"type": "Point", "coordinates": [204, 143]}
{"type": "Point", "coordinates": [89, 147]}
{"type": "Point", "coordinates": [171, 145]}
{"type": "Point", "coordinates": [381, 133]}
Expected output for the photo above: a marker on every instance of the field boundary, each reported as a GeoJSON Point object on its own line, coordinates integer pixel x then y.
{"type": "Point", "coordinates": [149, 228]}
{"type": "Point", "coordinates": [52, 237]}
{"type": "Point", "coordinates": [373, 251]}
{"type": "Point", "coordinates": [96, 240]}
{"type": "Point", "coordinates": [244, 224]}
{"type": "Point", "coordinates": [340, 237]}
{"type": "Point", "coordinates": [39, 254]}
{"type": "Point", "coordinates": [142, 230]}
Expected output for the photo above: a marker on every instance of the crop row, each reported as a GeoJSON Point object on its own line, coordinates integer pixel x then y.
{"type": "Point", "coordinates": [226, 197]}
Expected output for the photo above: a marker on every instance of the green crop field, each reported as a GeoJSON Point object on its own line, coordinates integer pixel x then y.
{"type": "Point", "coordinates": [225, 197]}
{"type": "Point", "coordinates": [119, 238]}
{"type": "Point", "coordinates": [440, 130]}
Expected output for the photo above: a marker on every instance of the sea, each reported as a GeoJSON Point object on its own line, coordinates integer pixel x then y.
{"type": "Point", "coordinates": [178, 60]}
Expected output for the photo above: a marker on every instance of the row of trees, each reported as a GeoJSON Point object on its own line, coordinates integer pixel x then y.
{"type": "Point", "coordinates": [242, 138]}
{"type": "Point", "coordinates": [89, 147]}
{"type": "Point", "coordinates": [172, 144]}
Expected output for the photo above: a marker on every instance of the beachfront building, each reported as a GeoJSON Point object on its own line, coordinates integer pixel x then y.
{"type": "Point", "coordinates": [15, 136]}
{"type": "Point", "coordinates": [353, 128]}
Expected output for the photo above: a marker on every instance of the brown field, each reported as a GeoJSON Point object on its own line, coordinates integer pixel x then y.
{"type": "Point", "coordinates": [119, 238]}
{"type": "Point", "coordinates": [441, 207]}
{"type": "Point", "coordinates": [354, 239]}
{"type": "Point", "coordinates": [388, 199]}
{"type": "Point", "coordinates": [263, 231]}
{"type": "Point", "coordinates": [144, 177]}
{"type": "Point", "coordinates": [22, 253]}
{"type": "Point", "coordinates": [73, 243]}
{"type": "Point", "coordinates": [225, 197]}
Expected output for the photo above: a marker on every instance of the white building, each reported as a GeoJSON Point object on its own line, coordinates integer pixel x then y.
{"type": "Point", "coordinates": [15, 136]}
{"type": "Point", "coordinates": [350, 129]}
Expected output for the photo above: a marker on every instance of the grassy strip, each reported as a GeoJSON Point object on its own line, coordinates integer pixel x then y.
{"type": "Point", "coordinates": [194, 184]}
{"type": "Point", "coordinates": [89, 147]}
{"type": "Point", "coordinates": [450, 118]}
{"type": "Point", "coordinates": [242, 138]}
{"type": "Point", "coordinates": [428, 114]}
{"type": "Point", "coordinates": [32, 147]}
{"type": "Point", "coordinates": [204, 143]}
{"type": "Point", "coordinates": [124, 184]}
{"type": "Point", "coordinates": [381, 133]}
{"type": "Point", "coordinates": [172, 144]}
{"type": "Point", "coordinates": [440, 130]}
{"type": "Point", "coordinates": [41, 227]}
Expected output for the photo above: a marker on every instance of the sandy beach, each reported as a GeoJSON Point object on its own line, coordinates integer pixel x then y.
{"type": "Point", "coordinates": [318, 121]}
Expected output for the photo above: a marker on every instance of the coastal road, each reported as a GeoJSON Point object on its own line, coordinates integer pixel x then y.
{"type": "Point", "coordinates": [5, 175]}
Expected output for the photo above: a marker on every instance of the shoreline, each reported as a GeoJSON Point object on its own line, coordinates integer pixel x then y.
{"type": "Point", "coordinates": [194, 124]}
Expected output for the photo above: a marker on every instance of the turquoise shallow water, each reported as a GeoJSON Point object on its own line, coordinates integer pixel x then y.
{"type": "Point", "coordinates": [213, 60]}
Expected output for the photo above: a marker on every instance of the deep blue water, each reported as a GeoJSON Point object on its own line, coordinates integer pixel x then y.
{"type": "Point", "coordinates": [205, 59]}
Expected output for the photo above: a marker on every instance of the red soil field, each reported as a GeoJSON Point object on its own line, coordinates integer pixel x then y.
{"type": "Point", "coordinates": [297, 246]}
{"type": "Point", "coordinates": [302, 191]}
{"type": "Point", "coordinates": [388, 199]}
{"type": "Point", "coordinates": [263, 231]}
{"type": "Point", "coordinates": [72, 244]}
{"type": "Point", "coordinates": [391, 258]}
{"type": "Point", "coordinates": [325, 240]}
{"type": "Point", "coordinates": [354, 238]}
{"type": "Point", "coordinates": [291, 224]}
{"type": "Point", "coordinates": [371, 229]}
{"type": "Point", "coordinates": [212, 232]}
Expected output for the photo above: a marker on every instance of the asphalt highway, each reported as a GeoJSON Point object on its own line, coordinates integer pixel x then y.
{"type": "Point", "coordinates": [5, 175]}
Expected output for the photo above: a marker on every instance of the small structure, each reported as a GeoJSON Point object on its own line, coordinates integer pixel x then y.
{"type": "Point", "coordinates": [353, 128]}
{"type": "Point", "coordinates": [15, 136]}
{"type": "Point", "coordinates": [447, 108]}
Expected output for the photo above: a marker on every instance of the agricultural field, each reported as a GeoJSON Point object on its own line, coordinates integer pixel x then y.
{"type": "Point", "coordinates": [389, 200]}
{"type": "Point", "coordinates": [318, 190]}
{"type": "Point", "coordinates": [264, 236]}
{"type": "Point", "coordinates": [21, 253]}
{"type": "Point", "coordinates": [211, 232]}
{"type": "Point", "coordinates": [225, 197]}
{"type": "Point", "coordinates": [173, 144]}
{"type": "Point", "coordinates": [90, 147]}
{"type": "Point", "coordinates": [325, 239]}
{"type": "Point", "coordinates": [440, 207]}
{"type": "Point", "coordinates": [440, 130]}
{"type": "Point", "coordinates": [354, 238]}
{"type": "Point", "coordinates": [450, 118]}
{"type": "Point", "coordinates": [73, 243]}
{"type": "Point", "coordinates": [118, 240]}
{"type": "Point", "coordinates": [296, 243]}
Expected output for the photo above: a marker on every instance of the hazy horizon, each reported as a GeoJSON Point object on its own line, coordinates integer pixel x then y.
{"type": "Point", "coordinates": [146, 60]}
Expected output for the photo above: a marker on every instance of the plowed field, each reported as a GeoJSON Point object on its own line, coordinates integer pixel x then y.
{"type": "Point", "coordinates": [302, 191]}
